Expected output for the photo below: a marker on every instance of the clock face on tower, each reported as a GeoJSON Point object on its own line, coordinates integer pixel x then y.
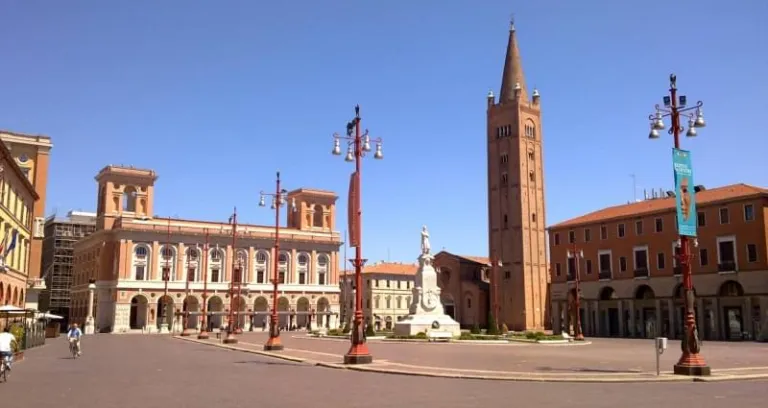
{"type": "Point", "coordinates": [430, 300]}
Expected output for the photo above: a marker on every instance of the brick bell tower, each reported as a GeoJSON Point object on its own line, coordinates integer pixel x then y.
{"type": "Point", "coordinates": [516, 221]}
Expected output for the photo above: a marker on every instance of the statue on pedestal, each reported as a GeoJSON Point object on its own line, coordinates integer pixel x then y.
{"type": "Point", "coordinates": [426, 309]}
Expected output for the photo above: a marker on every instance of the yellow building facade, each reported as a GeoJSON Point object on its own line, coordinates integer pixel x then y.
{"type": "Point", "coordinates": [17, 200]}
{"type": "Point", "coordinates": [31, 153]}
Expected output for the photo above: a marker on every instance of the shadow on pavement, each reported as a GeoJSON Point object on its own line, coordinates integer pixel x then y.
{"type": "Point", "coordinates": [587, 370]}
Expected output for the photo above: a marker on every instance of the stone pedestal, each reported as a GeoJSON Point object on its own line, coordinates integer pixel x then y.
{"type": "Point", "coordinates": [89, 326]}
{"type": "Point", "coordinates": [426, 309]}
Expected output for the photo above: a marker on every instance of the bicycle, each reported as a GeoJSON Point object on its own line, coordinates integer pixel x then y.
{"type": "Point", "coordinates": [4, 369]}
{"type": "Point", "coordinates": [73, 348]}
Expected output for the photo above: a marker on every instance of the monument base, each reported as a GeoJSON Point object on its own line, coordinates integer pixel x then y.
{"type": "Point", "coordinates": [422, 323]}
{"type": "Point", "coordinates": [164, 328]}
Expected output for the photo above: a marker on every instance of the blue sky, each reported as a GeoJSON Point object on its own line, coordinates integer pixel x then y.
{"type": "Point", "coordinates": [215, 96]}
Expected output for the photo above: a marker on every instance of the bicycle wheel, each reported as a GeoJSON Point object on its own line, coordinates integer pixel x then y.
{"type": "Point", "coordinates": [4, 373]}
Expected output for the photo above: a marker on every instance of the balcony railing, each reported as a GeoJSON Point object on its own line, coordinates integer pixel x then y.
{"type": "Point", "coordinates": [641, 273]}
{"type": "Point", "coordinates": [605, 275]}
{"type": "Point", "coordinates": [726, 266]}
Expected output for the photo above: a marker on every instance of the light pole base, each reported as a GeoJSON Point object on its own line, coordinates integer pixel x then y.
{"type": "Point", "coordinates": [203, 335]}
{"type": "Point", "coordinates": [230, 340]}
{"type": "Point", "coordinates": [186, 333]}
{"type": "Point", "coordinates": [89, 326]}
{"type": "Point", "coordinates": [579, 337]}
{"type": "Point", "coordinates": [358, 354]}
{"type": "Point", "coordinates": [692, 365]}
{"type": "Point", "coordinates": [238, 331]}
{"type": "Point", "coordinates": [273, 344]}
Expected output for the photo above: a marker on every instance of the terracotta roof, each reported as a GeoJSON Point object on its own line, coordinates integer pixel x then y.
{"type": "Point", "coordinates": [477, 259]}
{"type": "Point", "coordinates": [392, 268]}
{"type": "Point", "coordinates": [725, 193]}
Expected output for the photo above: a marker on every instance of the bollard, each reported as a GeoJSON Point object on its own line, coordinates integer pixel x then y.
{"type": "Point", "coordinates": [661, 345]}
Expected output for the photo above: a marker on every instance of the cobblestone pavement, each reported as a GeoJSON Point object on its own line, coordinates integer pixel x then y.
{"type": "Point", "coordinates": [600, 357]}
{"type": "Point", "coordinates": [121, 371]}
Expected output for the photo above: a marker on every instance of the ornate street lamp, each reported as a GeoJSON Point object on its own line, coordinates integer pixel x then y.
{"type": "Point", "coordinates": [279, 199]}
{"type": "Point", "coordinates": [691, 362]}
{"type": "Point", "coordinates": [358, 144]}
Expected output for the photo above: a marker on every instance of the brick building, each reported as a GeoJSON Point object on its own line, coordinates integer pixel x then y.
{"type": "Point", "coordinates": [131, 250]}
{"type": "Point", "coordinates": [516, 216]}
{"type": "Point", "coordinates": [630, 281]}
{"type": "Point", "coordinates": [465, 284]}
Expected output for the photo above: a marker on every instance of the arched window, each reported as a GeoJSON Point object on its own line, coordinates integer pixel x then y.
{"type": "Point", "coordinates": [303, 268]}
{"type": "Point", "coordinates": [192, 263]}
{"type": "Point", "coordinates": [129, 199]}
{"type": "Point", "coordinates": [283, 267]}
{"type": "Point", "coordinates": [322, 269]}
{"type": "Point", "coordinates": [241, 265]}
{"type": "Point", "coordinates": [141, 261]}
{"type": "Point", "coordinates": [262, 267]}
{"type": "Point", "coordinates": [216, 265]}
{"type": "Point", "coordinates": [167, 262]}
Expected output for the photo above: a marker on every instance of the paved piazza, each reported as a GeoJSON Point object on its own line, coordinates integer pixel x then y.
{"type": "Point", "coordinates": [159, 371]}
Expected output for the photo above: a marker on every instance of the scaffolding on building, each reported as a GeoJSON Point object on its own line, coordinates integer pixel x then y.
{"type": "Point", "coordinates": [58, 251]}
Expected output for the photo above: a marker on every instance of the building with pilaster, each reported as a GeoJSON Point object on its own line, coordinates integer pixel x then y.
{"type": "Point", "coordinates": [131, 251]}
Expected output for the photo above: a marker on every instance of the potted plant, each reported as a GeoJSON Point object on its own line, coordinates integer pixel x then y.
{"type": "Point", "coordinates": [18, 332]}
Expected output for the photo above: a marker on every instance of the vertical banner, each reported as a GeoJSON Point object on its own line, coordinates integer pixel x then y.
{"type": "Point", "coordinates": [685, 196]}
{"type": "Point", "coordinates": [352, 210]}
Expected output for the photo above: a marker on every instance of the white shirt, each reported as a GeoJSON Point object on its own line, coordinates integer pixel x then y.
{"type": "Point", "coordinates": [5, 341]}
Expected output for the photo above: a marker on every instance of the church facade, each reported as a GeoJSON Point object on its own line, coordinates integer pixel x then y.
{"type": "Point", "coordinates": [145, 270]}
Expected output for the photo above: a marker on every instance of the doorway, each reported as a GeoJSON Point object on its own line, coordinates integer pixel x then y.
{"type": "Point", "coordinates": [733, 323]}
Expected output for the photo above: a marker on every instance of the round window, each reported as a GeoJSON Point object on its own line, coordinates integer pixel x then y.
{"type": "Point", "coordinates": [23, 158]}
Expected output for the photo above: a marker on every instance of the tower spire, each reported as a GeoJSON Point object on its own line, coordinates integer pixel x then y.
{"type": "Point", "coordinates": [513, 76]}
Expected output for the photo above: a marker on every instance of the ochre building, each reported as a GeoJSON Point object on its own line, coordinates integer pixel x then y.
{"type": "Point", "coordinates": [32, 155]}
{"type": "Point", "coordinates": [630, 279]}
{"type": "Point", "coordinates": [516, 221]}
{"type": "Point", "coordinates": [17, 200]}
{"type": "Point", "coordinates": [125, 258]}
{"type": "Point", "coordinates": [388, 290]}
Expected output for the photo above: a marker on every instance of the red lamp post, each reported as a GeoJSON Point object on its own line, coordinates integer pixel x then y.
{"type": "Point", "coordinates": [358, 144]}
{"type": "Point", "coordinates": [204, 329]}
{"type": "Point", "coordinates": [185, 332]}
{"type": "Point", "coordinates": [279, 199]}
{"type": "Point", "coordinates": [231, 324]}
{"type": "Point", "coordinates": [691, 362]}
{"type": "Point", "coordinates": [167, 255]}
{"type": "Point", "coordinates": [577, 255]}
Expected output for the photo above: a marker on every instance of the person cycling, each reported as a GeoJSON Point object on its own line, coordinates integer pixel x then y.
{"type": "Point", "coordinates": [73, 336]}
{"type": "Point", "coordinates": [6, 346]}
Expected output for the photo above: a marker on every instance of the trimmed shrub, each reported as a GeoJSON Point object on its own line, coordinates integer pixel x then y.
{"type": "Point", "coordinates": [369, 332]}
{"type": "Point", "coordinates": [421, 335]}
{"type": "Point", "coordinates": [504, 329]}
{"type": "Point", "coordinates": [475, 329]}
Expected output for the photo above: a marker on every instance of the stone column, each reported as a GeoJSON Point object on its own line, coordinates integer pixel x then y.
{"type": "Point", "coordinates": [657, 332]}
{"type": "Point", "coordinates": [700, 316]}
{"type": "Point", "coordinates": [632, 322]}
{"type": "Point", "coordinates": [763, 336]}
{"type": "Point", "coordinates": [621, 318]}
{"type": "Point", "coordinates": [598, 319]}
{"type": "Point", "coordinates": [718, 333]}
{"type": "Point", "coordinates": [747, 313]}
{"type": "Point", "coordinates": [586, 319]}
{"type": "Point", "coordinates": [672, 323]}
{"type": "Point", "coordinates": [89, 326]}
{"type": "Point", "coordinates": [556, 319]}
